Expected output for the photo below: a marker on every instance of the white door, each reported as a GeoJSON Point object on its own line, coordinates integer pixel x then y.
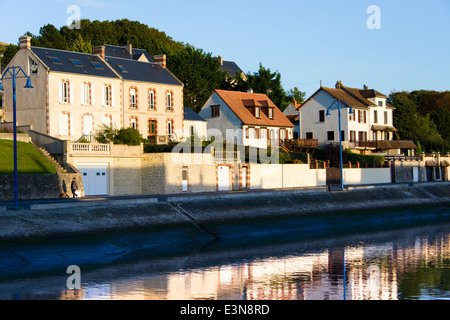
{"type": "Point", "coordinates": [224, 178]}
{"type": "Point", "coordinates": [95, 179]}
{"type": "Point", "coordinates": [184, 183]}
{"type": "Point", "coordinates": [416, 174]}
{"type": "Point", "coordinates": [244, 178]}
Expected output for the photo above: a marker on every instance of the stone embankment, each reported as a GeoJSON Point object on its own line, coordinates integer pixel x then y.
{"type": "Point", "coordinates": [232, 215]}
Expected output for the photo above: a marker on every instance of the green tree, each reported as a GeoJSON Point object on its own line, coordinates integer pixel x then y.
{"type": "Point", "coordinates": [80, 45]}
{"type": "Point", "coordinates": [268, 82]}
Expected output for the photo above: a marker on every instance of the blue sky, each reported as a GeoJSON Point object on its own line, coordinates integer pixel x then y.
{"type": "Point", "coordinates": [306, 41]}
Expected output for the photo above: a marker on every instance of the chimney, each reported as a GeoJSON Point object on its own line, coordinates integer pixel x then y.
{"type": "Point", "coordinates": [366, 88]}
{"type": "Point", "coordinates": [250, 90]}
{"type": "Point", "coordinates": [339, 85]}
{"type": "Point", "coordinates": [100, 50]}
{"type": "Point", "coordinates": [25, 42]}
{"type": "Point", "coordinates": [130, 48]}
{"type": "Point", "coordinates": [220, 60]}
{"type": "Point", "coordinates": [160, 59]}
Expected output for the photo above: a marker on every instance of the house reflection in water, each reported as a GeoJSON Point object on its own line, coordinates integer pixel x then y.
{"type": "Point", "coordinates": [373, 272]}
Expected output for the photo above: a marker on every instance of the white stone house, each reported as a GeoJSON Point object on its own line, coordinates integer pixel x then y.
{"type": "Point", "coordinates": [369, 129]}
{"type": "Point", "coordinates": [245, 118]}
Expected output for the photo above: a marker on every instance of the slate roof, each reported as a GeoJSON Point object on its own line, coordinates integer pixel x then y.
{"type": "Point", "coordinates": [136, 70]}
{"type": "Point", "coordinates": [67, 66]}
{"type": "Point", "coordinates": [230, 67]}
{"type": "Point", "coordinates": [122, 52]}
{"type": "Point", "coordinates": [191, 115]}
{"type": "Point", "coordinates": [143, 71]}
{"type": "Point", "coordinates": [239, 101]}
{"type": "Point", "coordinates": [355, 98]}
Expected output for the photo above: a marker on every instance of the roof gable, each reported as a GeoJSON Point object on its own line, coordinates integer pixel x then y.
{"type": "Point", "coordinates": [239, 103]}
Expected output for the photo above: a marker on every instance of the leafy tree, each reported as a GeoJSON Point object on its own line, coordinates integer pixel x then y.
{"type": "Point", "coordinates": [80, 45]}
{"type": "Point", "coordinates": [265, 81]}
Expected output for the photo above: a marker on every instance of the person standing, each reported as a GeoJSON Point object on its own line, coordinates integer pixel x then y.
{"type": "Point", "coordinates": [74, 187]}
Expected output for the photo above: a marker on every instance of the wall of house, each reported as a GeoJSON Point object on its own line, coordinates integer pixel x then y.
{"type": "Point", "coordinates": [200, 128]}
{"type": "Point", "coordinates": [227, 119]}
{"type": "Point", "coordinates": [30, 103]}
{"type": "Point", "coordinates": [142, 113]}
{"type": "Point", "coordinates": [268, 176]}
{"type": "Point", "coordinates": [309, 117]}
{"type": "Point", "coordinates": [77, 111]}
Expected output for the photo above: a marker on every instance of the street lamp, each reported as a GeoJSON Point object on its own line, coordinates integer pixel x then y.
{"type": "Point", "coordinates": [15, 72]}
{"type": "Point", "coordinates": [340, 132]}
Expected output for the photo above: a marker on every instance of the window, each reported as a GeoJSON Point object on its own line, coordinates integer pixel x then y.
{"type": "Point", "coordinates": [380, 103]}
{"type": "Point", "coordinates": [76, 63]}
{"type": "Point", "coordinates": [362, 136]}
{"type": "Point", "coordinates": [97, 66]}
{"type": "Point", "coordinates": [86, 94]}
{"type": "Point", "coordinates": [309, 135]}
{"type": "Point", "coordinates": [1, 100]}
{"type": "Point", "coordinates": [151, 100]}
{"type": "Point", "coordinates": [342, 135]}
{"type": "Point", "coordinates": [386, 117]}
{"type": "Point", "coordinates": [270, 113]}
{"type": "Point", "coordinates": [63, 124]}
{"type": "Point", "coordinates": [257, 112]}
{"type": "Point", "coordinates": [169, 101]}
{"type": "Point", "coordinates": [263, 133]}
{"type": "Point", "coordinates": [192, 130]}
{"type": "Point", "coordinates": [122, 68]}
{"type": "Point", "coordinates": [64, 92]}
{"type": "Point", "coordinates": [352, 136]}
{"type": "Point", "coordinates": [107, 96]}
{"type": "Point", "coordinates": [375, 116]}
{"type": "Point", "coordinates": [330, 135]}
{"type": "Point", "coordinates": [152, 127]}
{"type": "Point", "coordinates": [169, 129]}
{"type": "Point", "coordinates": [55, 60]}
{"type": "Point", "coordinates": [33, 67]}
{"type": "Point", "coordinates": [133, 123]}
{"type": "Point", "coordinates": [362, 116]}
{"type": "Point", "coordinates": [215, 111]}
{"type": "Point", "coordinates": [133, 103]}
{"type": "Point", "coordinates": [322, 116]}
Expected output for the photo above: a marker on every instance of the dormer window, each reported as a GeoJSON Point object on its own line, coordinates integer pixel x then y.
{"type": "Point", "coordinates": [258, 112]}
{"type": "Point", "coordinates": [380, 103]}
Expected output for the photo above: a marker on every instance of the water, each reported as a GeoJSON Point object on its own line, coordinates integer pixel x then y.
{"type": "Point", "coordinates": [401, 264]}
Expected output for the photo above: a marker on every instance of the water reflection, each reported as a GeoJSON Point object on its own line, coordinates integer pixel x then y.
{"type": "Point", "coordinates": [390, 265]}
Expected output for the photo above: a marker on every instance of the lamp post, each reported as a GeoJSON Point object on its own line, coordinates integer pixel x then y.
{"type": "Point", "coordinates": [340, 134]}
{"type": "Point", "coordinates": [15, 72]}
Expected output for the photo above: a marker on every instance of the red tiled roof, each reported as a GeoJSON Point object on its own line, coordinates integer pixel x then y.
{"type": "Point", "coordinates": [240, 101]}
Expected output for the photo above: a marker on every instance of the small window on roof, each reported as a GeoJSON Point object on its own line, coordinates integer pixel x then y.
{"type": "Point", "coordinates": [122, 68]}
{"type": "Point", "coordinates": [76, 62]}
{"type": "Point", "coordinates": [97, 65]}
{"type": "Point", "coordinates": [55, 60]}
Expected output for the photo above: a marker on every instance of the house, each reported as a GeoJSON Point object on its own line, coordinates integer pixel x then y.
{"type": "Point", "coordinates": [231, 68]}
{"type": "Point", "coordinates": [369, 129]}
{"type": "Point", "coordinates": [194, 125]}
{"type": "Point", "coordinates": [75, 94]}
{"type": "Point", "coordinates": [293, 114]}
{"type": "Point", "coordinates": [246, 118]}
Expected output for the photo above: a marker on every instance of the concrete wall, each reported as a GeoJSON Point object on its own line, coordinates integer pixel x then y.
{"type": "Point", "coordinates": [162, 173]}
{"type": "Point", "coordinates": [267, 176]}
{"type": "Point", "coordinates": [23, 137]}
{"type": "Point", "coordinates": [367, 176]}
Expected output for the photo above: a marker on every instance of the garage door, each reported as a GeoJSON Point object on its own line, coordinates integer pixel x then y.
{"type": "Point", "coordinates": [95, 179]}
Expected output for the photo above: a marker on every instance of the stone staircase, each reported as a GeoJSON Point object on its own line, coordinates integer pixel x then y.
{"type": "Point", "coordinates": [58, 166]}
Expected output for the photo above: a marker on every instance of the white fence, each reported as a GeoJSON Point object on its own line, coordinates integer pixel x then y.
{"type": "Point", "coordinates": [90, 148]}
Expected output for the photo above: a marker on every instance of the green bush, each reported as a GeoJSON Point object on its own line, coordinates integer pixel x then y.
{"type": "Point", "coordinates": [354, 157]}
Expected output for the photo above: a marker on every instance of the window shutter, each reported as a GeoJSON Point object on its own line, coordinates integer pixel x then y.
{"type": "Point", "coordinates": [113, 97]}
{"type": "Point", "coordinates": [71, 92]}
{"type": "Point", "coordinates": [82, 97]}
{"type": "Point", "coordinates": [60, 91]}
{"type": "Point", "coordinates": [72, 124]}
{"type": "Point", "coordinates": [92, 95]}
